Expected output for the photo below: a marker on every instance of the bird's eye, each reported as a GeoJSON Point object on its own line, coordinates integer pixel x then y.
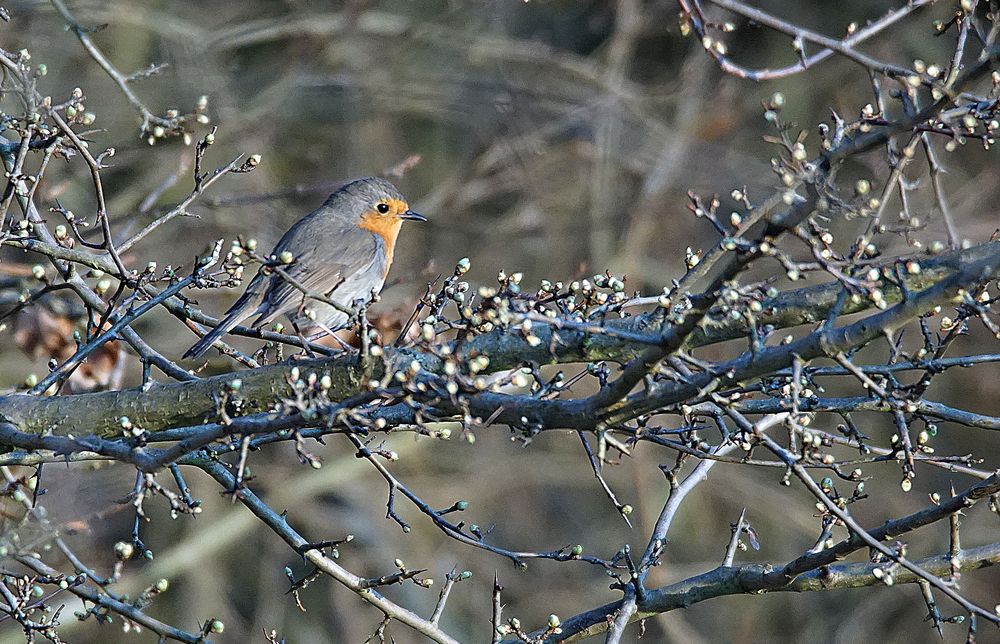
{"type": "Point", "coordinates": [382, 208]}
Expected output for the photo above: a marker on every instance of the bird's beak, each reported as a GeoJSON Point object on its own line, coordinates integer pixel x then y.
{"type": "Point", "coordinates": [415, 216]}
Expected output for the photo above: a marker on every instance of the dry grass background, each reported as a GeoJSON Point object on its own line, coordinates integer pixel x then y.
{"type": "Point", "coordinates": [557, 138]}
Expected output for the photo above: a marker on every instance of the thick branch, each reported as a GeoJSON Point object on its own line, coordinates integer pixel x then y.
{"type": "Point", "coordinates": [190, 403]}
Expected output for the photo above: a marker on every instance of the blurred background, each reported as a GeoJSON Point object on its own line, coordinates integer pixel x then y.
{"type": "Point", "coordinates": [558, 138]}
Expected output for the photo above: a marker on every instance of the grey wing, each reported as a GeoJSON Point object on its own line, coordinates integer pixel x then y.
{"type": "Point", "coordinates": [346, 274]}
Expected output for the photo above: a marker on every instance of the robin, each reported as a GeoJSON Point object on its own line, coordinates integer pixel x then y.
{"type": "Point", "coordinates": [342, 250]}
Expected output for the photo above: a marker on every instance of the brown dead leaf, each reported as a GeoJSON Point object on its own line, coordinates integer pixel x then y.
{"type": "Point", "coordinates": [42, 334]}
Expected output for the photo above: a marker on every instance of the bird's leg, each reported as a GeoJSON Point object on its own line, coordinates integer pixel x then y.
{"type": "Point", "coordinates": [325, 330]}
{"type": "Point", "coordinates": [302, 338]}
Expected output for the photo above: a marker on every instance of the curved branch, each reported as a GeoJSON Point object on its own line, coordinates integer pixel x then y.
{"type": "Point", "coordinates": [279, 525]}
{"type": "Point", "coordinates": [753, 578]}
{"type": "Point", "coordinates": [810, 572]}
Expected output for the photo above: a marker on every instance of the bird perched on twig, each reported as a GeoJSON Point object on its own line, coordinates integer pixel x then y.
{"type": "Point", "coordinates": [341, 251]}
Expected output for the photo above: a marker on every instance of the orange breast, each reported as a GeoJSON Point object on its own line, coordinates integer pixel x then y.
{"type": "Point", "coordinates": [385, 227]}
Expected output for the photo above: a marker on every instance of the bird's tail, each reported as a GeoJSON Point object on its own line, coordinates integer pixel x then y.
{"type": "Point", "coordinates": [242, 309]}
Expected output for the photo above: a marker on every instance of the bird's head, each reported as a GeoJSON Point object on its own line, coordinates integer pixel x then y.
{"type": "Point", "coordinates": [375, 205]}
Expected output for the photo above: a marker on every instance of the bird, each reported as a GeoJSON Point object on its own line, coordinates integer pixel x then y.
{"type": "Point", "coordinates": [342, 250]}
